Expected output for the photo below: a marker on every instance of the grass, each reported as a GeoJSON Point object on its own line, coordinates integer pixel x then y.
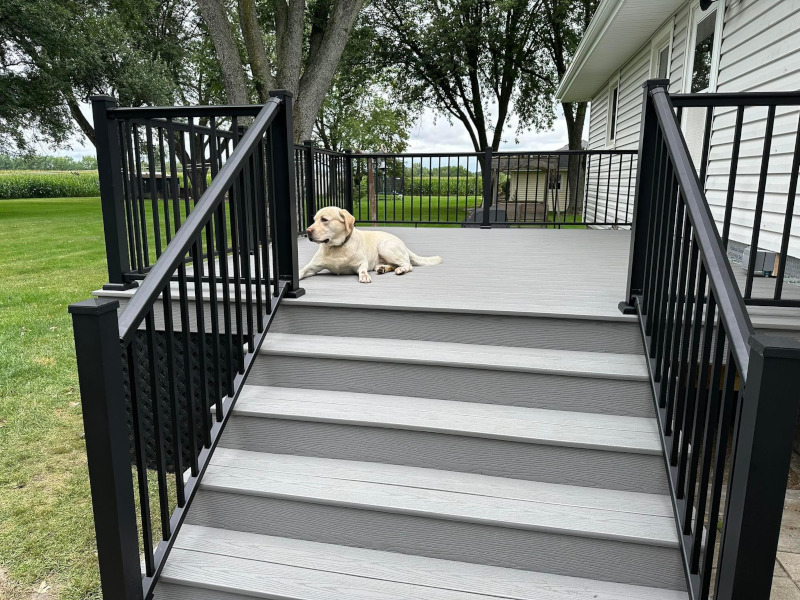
{"type": "Point", "coordinates": [51, 254]}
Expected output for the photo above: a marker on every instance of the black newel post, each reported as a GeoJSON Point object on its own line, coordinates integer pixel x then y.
{"type": "Point", "coordinates": [645, 172]}
{"type": "Point", "coordinates": [487, 187]}
{"type": "Point", "coordinates": [311, 202]}
{"type": "Point", "coordinates": [97, 348]}
{"type": "Point", "coordinates": [348, 180]}
{"type": "Point", "coordinates": [109, 166]}
{"type": "Point", "coordinates": [285, 195]}
{"type": "Point", "coordinates": [757, 487]}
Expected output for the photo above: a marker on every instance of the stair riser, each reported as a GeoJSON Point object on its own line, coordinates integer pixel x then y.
{"type": "Point", "coordinates": [610, 560]}
{"type": "Point", "coordinates": [175, 591]}
{"type": "Point", "coordinates": [501, 458]}
{"type": "Point", "coordinates": [537, 390]}
{"type": "Point", "coordinates": [495, 330]}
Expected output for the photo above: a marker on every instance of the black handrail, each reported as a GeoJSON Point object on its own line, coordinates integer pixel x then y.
{"type": "Point", "coordinates": [560, 188]}
{"type": "Point", "coordinates": [175, 253]}
{"type": "Point", "coordinates": [159, 381]}
{"type": "Point", "coordinates": [725, 398]}
{"type": "Point", "coordinates": [742, 203]}
{"type": "Point", "coordinates": [720, 274]}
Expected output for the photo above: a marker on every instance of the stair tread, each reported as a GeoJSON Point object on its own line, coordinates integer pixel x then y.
{"type": "Point", "coordinates": [537, 360]}
{"type": "Point", "coordinates": [270, 567]}
{"type": "Point", "coordinates": [533, 425]}
{"type": "Point", "coordinates": [571, 510]}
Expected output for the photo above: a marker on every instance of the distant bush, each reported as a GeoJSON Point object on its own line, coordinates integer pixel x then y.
{"type": "Point", "coordinates": [48, 184]}
{"type": "Point", "coordinates": [47, 163]}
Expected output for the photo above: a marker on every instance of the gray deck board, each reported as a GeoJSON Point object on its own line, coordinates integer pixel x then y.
{"type": "Point", "coordinates": [365, 566]}
{"type": "Point", "coordinates": [550, 272]}
{"type": "Point", "coordinates": [535, 492]}
{"type": "Point", "coordinates": [530, 425]}
{"type": "Point", "coordinates": [602, 365]}
{"type": "Point", "coordinates": [401, 493]}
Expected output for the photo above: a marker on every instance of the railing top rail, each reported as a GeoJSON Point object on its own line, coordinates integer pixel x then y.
{"type": "Point", "coordinates": [504, 153]}
{"type": "Point", "coordinates": [210, 110]}
{"type": "Point", "coordinates": [174, 253]}
{"type": "Point", "coordinates": [729, 299]}
{"type": "Point", "coordinates": [737, 99]}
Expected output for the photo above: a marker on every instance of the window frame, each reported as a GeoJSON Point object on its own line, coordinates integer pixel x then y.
{"type": "Point", "coordinates": [663, 39]}
{"type": "Point", "coordinates": [695, 15]}
{"type": "Point", "coordinates": [611, 136]}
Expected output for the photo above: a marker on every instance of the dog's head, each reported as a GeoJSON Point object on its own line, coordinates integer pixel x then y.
{"type": "Point", "coordinates": [331, 226]}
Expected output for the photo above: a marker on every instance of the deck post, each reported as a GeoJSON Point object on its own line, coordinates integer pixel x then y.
{"type": "Point", "coordinates": [109, 167]}
{"type": "Point", "coordinates": [487, 187]}
{"type": "Point", "coordinates": [348, 180]}
{"type": "Point", "coordinates": [757, 487]}
{"type": "Point", "coordinates": [285, 195]}
{"type": "Point", "coordinates": [645, 172]}
{"type": "Point", "coordinates": [105, 423]}
{"type": "Point", "coordinates": [311, 205]}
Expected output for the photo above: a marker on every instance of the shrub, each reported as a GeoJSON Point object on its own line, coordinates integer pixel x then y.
{"type": "Point", "coordinates": [50, 184]}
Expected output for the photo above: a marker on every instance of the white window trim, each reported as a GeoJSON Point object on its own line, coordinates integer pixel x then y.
{"type": "Point", "coordinates": [663, 38]}
{"type": "Point", "coordinates": [612, 144]}
{"type": "Point", "coordinates": [716, 51]}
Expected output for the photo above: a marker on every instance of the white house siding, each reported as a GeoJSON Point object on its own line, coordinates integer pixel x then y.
{"type": "Point", "coordinates": [617, 191]}
{"type": "Point", "coordinates": [680, 33]}
{"type": "Point", "coordinates": [760, 45]}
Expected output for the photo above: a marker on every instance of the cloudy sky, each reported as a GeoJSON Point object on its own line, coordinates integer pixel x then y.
{"type": "Point", "coordinates": [432, 133]}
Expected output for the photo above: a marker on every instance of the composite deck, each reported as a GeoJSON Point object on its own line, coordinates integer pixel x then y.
{"type": "Point", "coordinates": [570, 272]}
{"type": "Point", "coordinates": [501, 271]}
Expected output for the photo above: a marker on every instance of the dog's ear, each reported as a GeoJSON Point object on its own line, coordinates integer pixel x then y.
{"type": "Point", "coordinates": [349, 220]}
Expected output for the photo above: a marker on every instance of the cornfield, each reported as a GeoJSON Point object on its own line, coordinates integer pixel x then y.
{"type": "Point", "coordinates": [48, 184]}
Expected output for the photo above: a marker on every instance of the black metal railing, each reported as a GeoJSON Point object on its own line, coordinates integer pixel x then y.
{"type": "Point", "coordinates": [726, 399]}
{"type": "Point", "coordinates": [747, 151]}
{"type": "Point", "coordinates": [545, 189]}
{"type": "Point", "coordinates": [158, 382]}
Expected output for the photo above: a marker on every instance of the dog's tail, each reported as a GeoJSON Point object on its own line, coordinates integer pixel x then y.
{"type": "Point", "coordinates": [419, 261]}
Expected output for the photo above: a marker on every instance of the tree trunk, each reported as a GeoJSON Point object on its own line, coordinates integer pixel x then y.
{"type": "Point", "coordinates": [216, 19]}
{"type": "Point", "coordinates": [575, 115]}
{"type": "Point", "coordinates": [373, 200]}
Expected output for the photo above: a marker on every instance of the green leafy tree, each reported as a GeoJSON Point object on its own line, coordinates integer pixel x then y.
{"type": "Point", "coordinates": [360, 110]}
{"type": "Point", "coordinates": [57, 53]}
{"type": "Point", "coordinates": [463, 57]}
{"type": "Point", "coordinates": [564, 24]}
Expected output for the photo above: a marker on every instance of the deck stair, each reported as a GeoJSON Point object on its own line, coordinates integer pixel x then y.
{"type": "Point", "coordinates": [407, 454]}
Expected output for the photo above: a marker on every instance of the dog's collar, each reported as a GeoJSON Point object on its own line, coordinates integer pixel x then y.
{"type": "Point", "coordinates": [349, 235]}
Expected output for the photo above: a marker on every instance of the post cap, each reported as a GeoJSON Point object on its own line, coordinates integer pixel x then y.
{"type": "Point", "coordinates": [284, 93]}
{"type": "Point", "coordinates": [785, 345]}
{"type": "Point", "coordinates": [102, 98]}
{"type": "Point", "coordinates": [94, 306]}
{"type": "Point", "coordinates": [654, 83]}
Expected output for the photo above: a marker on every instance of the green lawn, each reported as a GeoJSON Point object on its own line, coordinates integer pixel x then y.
{"type": "Point", "coordinates": [51, 254]}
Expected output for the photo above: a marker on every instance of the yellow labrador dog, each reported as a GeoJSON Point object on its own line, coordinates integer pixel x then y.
{"type": "Point", "coordinates": [345, 249]}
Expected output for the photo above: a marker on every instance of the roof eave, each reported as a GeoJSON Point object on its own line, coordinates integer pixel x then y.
{"type": "Point", "coordinates": [597, 26]}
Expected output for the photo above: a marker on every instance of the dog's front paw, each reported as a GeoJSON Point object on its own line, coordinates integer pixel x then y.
{"type": "Point", "coordinates": [364, 277]}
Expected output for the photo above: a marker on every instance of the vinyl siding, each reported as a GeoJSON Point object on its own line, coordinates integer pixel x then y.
{"type": "Point", "coordinates": [760, 45]}
{"type": "Point", "coordinates": [531, 187]}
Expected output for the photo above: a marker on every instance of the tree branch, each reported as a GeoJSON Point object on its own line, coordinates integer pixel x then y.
{"type": "Point", "coordinates": [216, 19]}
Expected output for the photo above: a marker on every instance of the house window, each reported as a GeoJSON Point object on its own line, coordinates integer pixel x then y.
{"type": "Point", "coordinates": [662, 68]}
{"type": "Point", "coordinates": [554, 180]}
{"type": "Point", "coordinates": [613, 96]}
{"type": "Point", "coordinates": [703, 52]}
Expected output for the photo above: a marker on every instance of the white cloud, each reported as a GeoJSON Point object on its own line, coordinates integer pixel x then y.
{"type": "Point", "coordinates": [433, 133]}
